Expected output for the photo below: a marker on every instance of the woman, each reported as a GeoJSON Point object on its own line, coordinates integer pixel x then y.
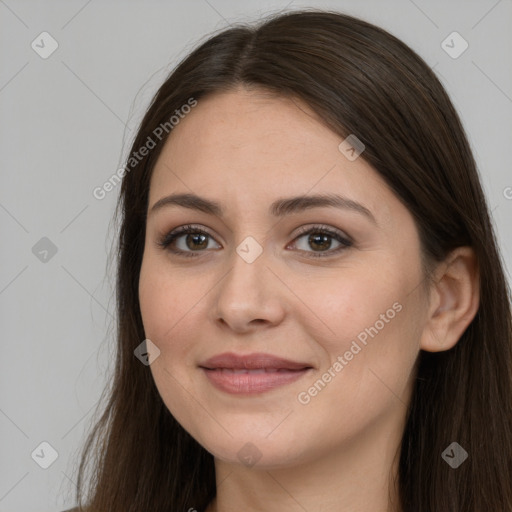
{"type": "Point", "coordinates": [312, 310]}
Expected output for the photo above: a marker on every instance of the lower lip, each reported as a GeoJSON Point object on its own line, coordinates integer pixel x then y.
{"type": "Point", "coordinates": [251, 383]}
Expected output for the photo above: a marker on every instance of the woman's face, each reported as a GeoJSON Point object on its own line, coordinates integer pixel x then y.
{"type": "Point", "coordinates": [255, 283]}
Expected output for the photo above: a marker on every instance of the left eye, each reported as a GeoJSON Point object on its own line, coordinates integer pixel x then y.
{"type": "Point", "coordinates": [194, 239]}
{"type": "Point", "coordinates": [321, 238]}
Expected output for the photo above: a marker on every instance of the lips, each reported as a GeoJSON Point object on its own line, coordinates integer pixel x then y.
{"type": "Point", "coordinates": [258, 361]}
{"type": "Point", "coordinates": [253, 373]}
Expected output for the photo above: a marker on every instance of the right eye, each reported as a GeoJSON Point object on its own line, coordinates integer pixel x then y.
{"type": "Point", "coordinates": [191, 238]}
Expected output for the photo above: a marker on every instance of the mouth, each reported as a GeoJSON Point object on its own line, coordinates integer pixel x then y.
{"type": "Point", "coordinates": [257, 361]}
{"type": "Point", "coordinates": [248, 382]}
{"type": "Point", "coordinates": [254, 373]}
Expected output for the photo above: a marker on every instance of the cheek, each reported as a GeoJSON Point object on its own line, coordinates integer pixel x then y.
{"type": "Point", "coordinates": [172, 305]}
{"type": "Point", "coordinates": [368, 332]}
{"type": "Point", "coordinates": [345, 304]}
{"type": "Point", "coordinates": [168, 303]}
{"type": "Point", "coordinates": [157, 305]}
{"type": "Point", "coordinates": [164, 298]}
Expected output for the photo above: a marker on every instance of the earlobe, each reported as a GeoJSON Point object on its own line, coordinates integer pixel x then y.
{"type": "Point", "coordinates": [455, 297]}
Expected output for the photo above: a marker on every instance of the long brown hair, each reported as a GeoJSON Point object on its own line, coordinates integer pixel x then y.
{"type": "Point", "coordinates": [359, 79]}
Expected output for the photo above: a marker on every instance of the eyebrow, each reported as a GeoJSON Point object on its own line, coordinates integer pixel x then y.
{"type": "Point", "coordinates": [278, 208]}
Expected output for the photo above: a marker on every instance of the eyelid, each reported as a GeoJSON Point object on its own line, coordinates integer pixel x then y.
{"type": "Point", "coordinates": [343, 239]}
{"type": "Point", "coordinates": [308, 228]}
{"type": "Point", "coordinates": [167, 238]}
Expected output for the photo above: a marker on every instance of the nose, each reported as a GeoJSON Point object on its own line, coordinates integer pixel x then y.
{"type": "Point", "coordinates": [249, 296]}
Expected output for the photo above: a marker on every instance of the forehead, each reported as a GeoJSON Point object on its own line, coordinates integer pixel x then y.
{"type": "Point", "coordinates": [245, 119]}
{"type": "Point", "coordinates": [251, 147]}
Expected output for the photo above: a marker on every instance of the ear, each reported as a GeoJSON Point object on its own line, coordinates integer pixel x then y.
{"type": "Point", "coordinates": [454, 300]}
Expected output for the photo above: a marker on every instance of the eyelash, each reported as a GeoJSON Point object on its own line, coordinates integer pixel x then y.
{"type": "Point", "coordinates": [167, 239]}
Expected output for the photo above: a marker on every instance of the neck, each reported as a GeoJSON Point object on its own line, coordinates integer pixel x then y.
{"type": "Point", "coordinates": [357, 477]}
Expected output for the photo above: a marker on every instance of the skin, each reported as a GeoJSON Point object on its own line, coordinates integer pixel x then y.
{"type": "Point", "coordinates": [245, 149]}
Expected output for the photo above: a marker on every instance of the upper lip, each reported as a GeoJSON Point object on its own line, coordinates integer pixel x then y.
{"type": "Point", "coordinates": [251, 361]}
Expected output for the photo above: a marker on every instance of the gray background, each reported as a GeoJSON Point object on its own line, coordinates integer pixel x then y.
{"type": "Point", "coordinates": [66, 122]}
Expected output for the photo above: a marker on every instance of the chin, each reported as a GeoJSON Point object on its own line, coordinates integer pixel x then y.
{"type": "Point", "coordinates": [256, 453]}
